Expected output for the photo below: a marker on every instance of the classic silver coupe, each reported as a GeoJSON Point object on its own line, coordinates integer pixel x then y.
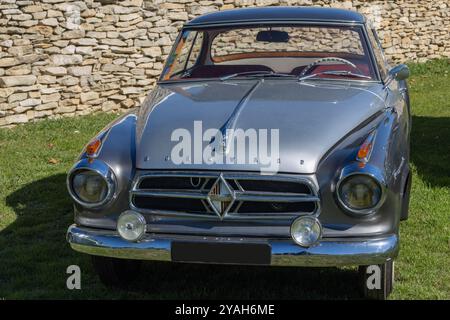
{"type": "Point", "coordinates": [274, 136]}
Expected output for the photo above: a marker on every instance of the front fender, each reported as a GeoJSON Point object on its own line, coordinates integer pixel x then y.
{"type": "Point", "coordinates": [385, 220]}
{"type": "Point", "coordinates": [118, 152]}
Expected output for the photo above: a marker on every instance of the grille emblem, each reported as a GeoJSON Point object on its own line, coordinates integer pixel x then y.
{"type": "Point", "coordinates": [221, 197]}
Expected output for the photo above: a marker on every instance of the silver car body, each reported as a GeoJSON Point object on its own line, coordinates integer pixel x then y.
{"type": "Point", "coordinates": [322, 124]}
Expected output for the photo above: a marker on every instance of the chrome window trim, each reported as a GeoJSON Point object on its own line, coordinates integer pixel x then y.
{"type": "Point", "coordinates": [272, 21]}
{"type": "Point", "coordinates": [102, 169]}
{"type": "Point", "coordinates": [371, 52]}
{"type": "Point", "coordinates": [168, 82]}
{"type": "Point", "coordinates": [304, 22]}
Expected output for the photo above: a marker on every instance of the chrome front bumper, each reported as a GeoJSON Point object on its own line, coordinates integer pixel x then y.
{"type": "Point", "coordinates": [284, 252]}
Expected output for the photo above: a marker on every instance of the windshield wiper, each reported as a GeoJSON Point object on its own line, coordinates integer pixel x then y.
{"type": "Point", "coordinates": [336, 73]}
{"type": "Point", "coordinates": [256, 74]}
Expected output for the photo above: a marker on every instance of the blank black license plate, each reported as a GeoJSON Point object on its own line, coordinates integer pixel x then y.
{"type": "Point", "coordinates": [230, 253]}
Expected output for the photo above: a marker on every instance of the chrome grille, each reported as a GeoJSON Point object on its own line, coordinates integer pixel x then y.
{"type": "Point", "coordinates": [224, 195]}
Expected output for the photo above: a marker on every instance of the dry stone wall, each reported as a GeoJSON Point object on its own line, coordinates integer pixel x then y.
{"type": "Point", "coordinates": [65, 58]}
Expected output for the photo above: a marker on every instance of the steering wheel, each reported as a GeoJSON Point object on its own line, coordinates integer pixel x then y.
{"type": "Point", "coordinates": [310, 66]}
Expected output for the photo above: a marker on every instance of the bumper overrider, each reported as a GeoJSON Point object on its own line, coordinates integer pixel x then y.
{"type": "Point", "coordinates": [283, 252]}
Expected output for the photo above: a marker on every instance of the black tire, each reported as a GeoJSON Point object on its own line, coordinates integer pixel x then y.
{"type": "Point", "coordinates": [405, 201]}
{"type": "Point", "coordinates": [386, 272]}
{"type": "Point", "coordinates": [116, 272]}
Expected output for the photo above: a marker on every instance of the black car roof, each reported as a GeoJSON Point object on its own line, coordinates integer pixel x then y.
{"type": "Point", "coordinates": [269, 14]}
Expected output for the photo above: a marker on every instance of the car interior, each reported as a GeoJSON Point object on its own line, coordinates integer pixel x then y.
{"type": "Point", "coordinates": [288, 65]}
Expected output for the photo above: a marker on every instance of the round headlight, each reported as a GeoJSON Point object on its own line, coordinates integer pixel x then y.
{"type": "Point", "coordinates": [131, 225]}
{"type": "Point", "coordinates": [359, 193]}
{"type": "Point", "coordinates": [306, 231]}
{"type": "Point", "coordinates": [89, 186]}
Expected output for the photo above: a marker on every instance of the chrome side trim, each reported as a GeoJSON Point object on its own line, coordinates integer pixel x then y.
{"type": "Point", "coordinates": [284, 252]}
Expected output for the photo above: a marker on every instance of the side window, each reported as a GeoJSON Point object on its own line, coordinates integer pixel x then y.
{"type": "Point", "coordinates": [378, 51]}
{"type": "Point", "coordinates": [186, 52]}
{"type": "Point", "coordinates": [195, 50]}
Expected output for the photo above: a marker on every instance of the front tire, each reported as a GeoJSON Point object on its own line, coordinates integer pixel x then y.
{"type": "Point", "coordinates": [116, 272]}
{"type": "Point", "coordinates": [405, 200]}
{"type": "Point", "coordinates": [375, 288]}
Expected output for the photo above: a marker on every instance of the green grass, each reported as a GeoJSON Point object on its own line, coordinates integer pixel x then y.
{"type": "Point", "coordinates": [35, 211]}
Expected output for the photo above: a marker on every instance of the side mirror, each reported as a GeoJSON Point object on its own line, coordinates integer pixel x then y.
{"type": "Point", "coordinates": [400, 72]}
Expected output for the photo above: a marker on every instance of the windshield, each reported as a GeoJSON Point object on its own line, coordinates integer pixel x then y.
{"type": "Point", "coordinates": [224, 53]}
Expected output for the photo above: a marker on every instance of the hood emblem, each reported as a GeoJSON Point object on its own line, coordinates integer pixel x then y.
{"type": "Point", "coordinates": [221, 197]}
{"type": "Point", "coordinates": [219, 144]}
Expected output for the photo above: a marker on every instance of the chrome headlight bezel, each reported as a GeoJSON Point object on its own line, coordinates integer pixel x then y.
{"type": "Point", "coordinates": [103, 170]}
{"type": "Point", "coordinates": [369, 171]}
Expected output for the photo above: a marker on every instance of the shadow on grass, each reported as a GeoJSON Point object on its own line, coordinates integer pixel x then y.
{"type": "Point", "coordinates": [32, 248]}
{"type": "Point", "coordinates": [35, 256]}
{"type": "Point", "coordinates": [430, 149]}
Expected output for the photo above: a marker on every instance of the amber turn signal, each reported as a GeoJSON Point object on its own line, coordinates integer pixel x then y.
{"type": "Point", "coordinates": [93, 147]}
{"type": "Point", "coordinates": [366, 148]}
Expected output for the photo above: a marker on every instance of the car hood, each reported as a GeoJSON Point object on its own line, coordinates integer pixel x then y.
{"type": "Point", "coordinates": [311, 117]}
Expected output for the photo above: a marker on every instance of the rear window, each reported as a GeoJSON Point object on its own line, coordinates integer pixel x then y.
{"type": "Point", "coordinates": [301, 39]}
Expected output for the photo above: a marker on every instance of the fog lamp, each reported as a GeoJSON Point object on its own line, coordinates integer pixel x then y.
{"type": "Point", "coordinates": [131, 225]}
{"type": "Point", "coordinates": [306, 231]}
